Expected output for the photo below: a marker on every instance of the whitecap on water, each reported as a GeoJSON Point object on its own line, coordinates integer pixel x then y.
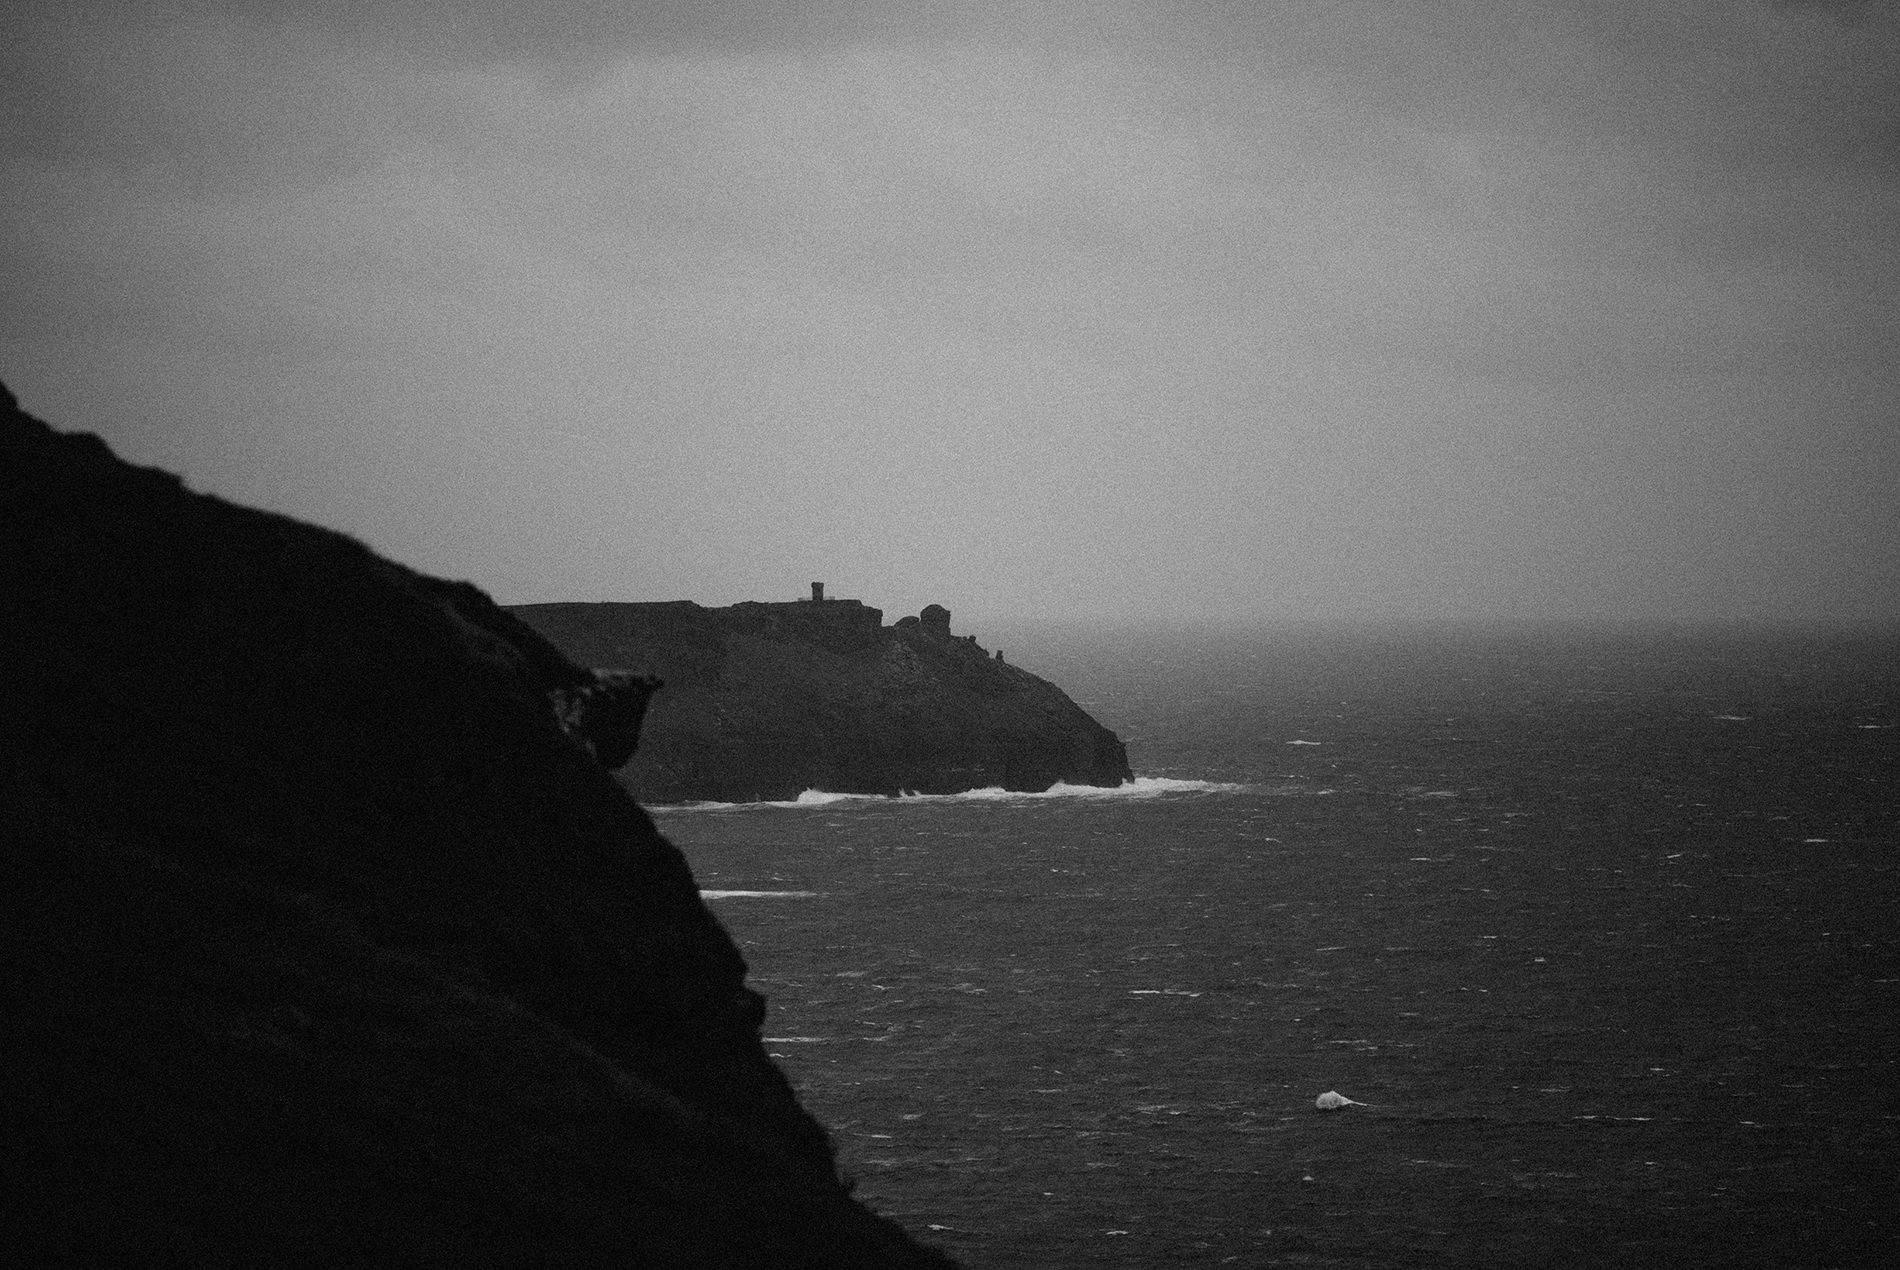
{"type": "Point", "coordinates": [756, 895]}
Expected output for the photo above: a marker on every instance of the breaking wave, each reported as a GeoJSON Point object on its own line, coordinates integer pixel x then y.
{"type": "Point", "coordinates": [1141, 787]}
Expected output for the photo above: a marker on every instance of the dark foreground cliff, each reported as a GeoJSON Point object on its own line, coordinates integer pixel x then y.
{"type": "Point", "coordinates": [325, 937]}
{"type": "Point", "coordinates": [765, 701]}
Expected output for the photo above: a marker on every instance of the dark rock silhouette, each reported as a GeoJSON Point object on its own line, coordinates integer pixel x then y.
{"type": "Point", "coordinates": [765, 701]}
{"type": "Point", "coordinates": [605, 716]}
{"type": "Point", "coordinates": [326, 940]}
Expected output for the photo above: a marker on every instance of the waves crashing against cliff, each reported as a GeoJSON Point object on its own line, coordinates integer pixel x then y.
{"type": "Point", "coordinates": [1140, 789]}
{"type": "Point", "coordinates": [326, 938]}
{"type": "Point", "coordinates": [765, 701]}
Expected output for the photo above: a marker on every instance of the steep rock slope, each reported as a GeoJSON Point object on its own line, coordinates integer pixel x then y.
{"type": "Point", "coordinates": [764, 701]}
{"type": "Point", "coordinates": [325, 938]}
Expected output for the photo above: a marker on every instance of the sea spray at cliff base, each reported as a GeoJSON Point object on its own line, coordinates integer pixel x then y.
{"type": "Point", "coordinates": [1141, 787]}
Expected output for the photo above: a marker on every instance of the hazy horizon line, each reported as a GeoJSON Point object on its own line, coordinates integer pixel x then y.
{"type": "Point", "coordinates": [1342, 625]}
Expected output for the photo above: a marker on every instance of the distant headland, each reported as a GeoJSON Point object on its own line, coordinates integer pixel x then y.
{"type": "Point", "coordinates": [763, 701]}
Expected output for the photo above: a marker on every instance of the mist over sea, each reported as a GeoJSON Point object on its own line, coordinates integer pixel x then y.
{"type": "Point", "coordinates": [1600, 925]}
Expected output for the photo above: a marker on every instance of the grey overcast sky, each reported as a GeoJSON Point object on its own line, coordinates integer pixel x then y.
{"type": "Point", "coordinates": [1125, 309]}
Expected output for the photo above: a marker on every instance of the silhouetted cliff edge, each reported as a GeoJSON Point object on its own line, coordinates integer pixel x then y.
{"type": "Point", "coordinates": [765, 701]}
{"type": "Point", "coordinates": [325, 940]}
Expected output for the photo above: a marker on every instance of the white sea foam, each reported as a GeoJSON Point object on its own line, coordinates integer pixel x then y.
{"type": "Point", "coordinates": [820, 798]}
{"type": "Point", "coordinates": [756, 895]}
{"type": "Point", "coordinates": [1139, 787]}
{"type": "Point", "coordinates": [810, 798]}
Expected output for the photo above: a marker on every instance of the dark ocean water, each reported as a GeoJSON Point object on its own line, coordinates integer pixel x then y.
{"type": "Point", "coordinates": [1601, 927]}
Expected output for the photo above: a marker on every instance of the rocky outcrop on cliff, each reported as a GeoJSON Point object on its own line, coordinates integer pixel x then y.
{"type": "Point", "coordinates": [326, 939]}
{"type": "Point", "coordinates": [765, 701]}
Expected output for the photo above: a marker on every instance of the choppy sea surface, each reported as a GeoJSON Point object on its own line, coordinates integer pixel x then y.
{"type": "Point", "coordinates": [1601, 930]}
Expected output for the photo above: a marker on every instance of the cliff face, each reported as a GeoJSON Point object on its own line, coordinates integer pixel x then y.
{"type": "Point", "coordinates": [326, 939]}
{"type": "Point", "coordinates": [764, 701]}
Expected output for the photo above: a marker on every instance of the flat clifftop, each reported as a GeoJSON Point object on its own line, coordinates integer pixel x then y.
{"type": "Point", "coordinates": [328, 940]}
{"type": "Point", "coordinates": [765, 701]}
